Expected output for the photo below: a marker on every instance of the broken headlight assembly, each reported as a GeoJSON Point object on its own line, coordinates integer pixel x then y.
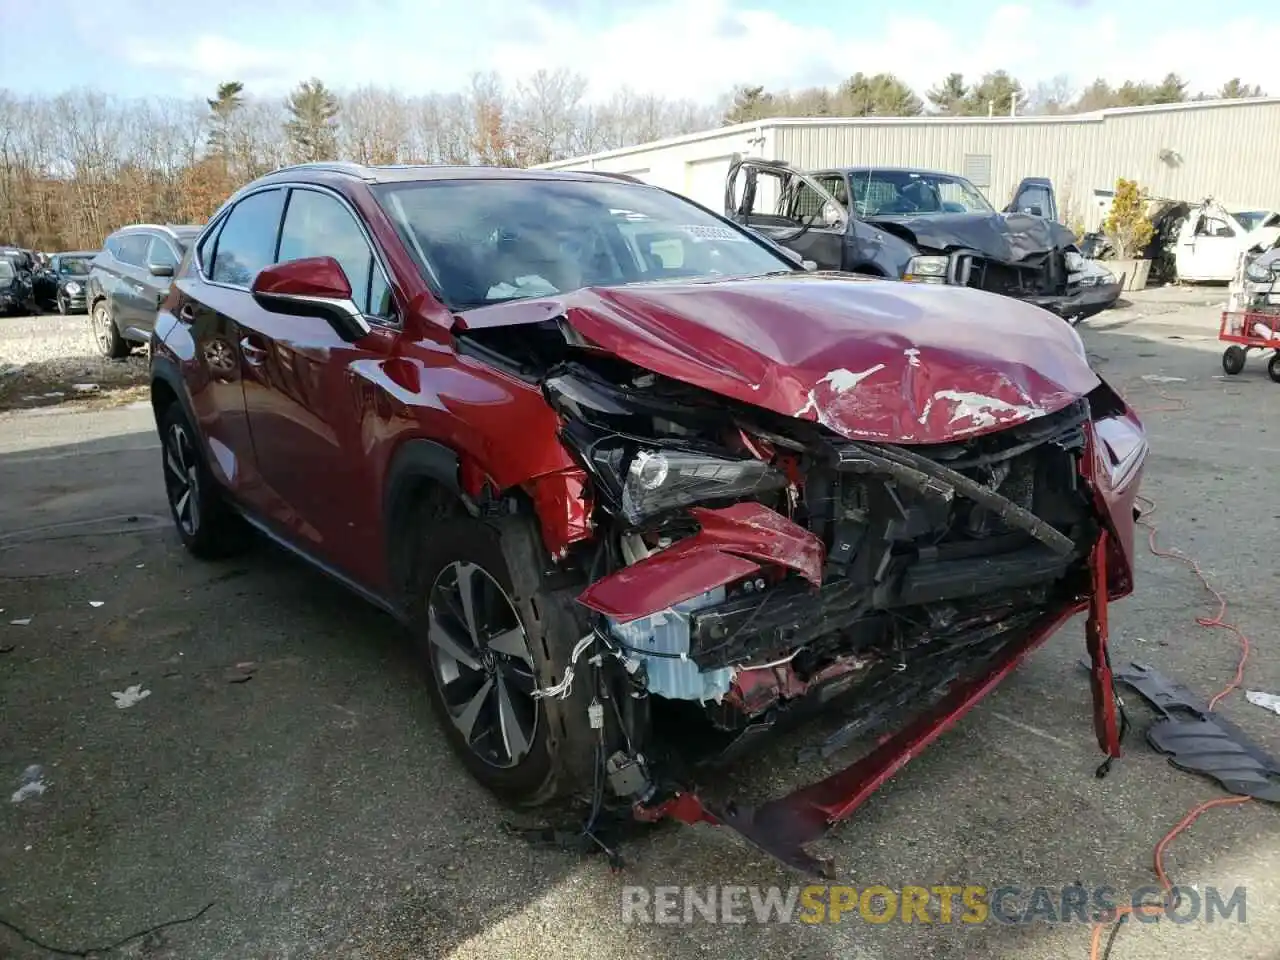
{"type": "Point", "coordinates": [644, 480]}
{"type": "Point", "coordinates": [1258, 272]}
{"type": "Point", "coordinates": [1086, 273]}
{"type": "Point", "coordinates": [641, 476]}
{"type": "Point", "coordinates": [661, 480]}
{"type": "Point", "coordinates": [930, 269]}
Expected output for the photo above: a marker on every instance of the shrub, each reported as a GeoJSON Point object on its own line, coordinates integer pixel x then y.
{"type": "Point", "coordinates": [1127, 225]}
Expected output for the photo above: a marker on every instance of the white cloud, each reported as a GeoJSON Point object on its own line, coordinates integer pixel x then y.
{"type": "Point", "coordinates": [701, 50]}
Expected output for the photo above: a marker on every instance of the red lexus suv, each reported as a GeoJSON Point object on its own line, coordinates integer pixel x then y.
{"type": "Point", "coordinates": [641, 486]}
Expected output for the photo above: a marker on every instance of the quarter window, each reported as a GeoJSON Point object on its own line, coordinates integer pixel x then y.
{"type": "Point", "coordinates": [161, 254]}
{"type": "Point", "coordinates": [247, 241]}
{"type": "Point", "coordinates": [318, 225]}
{"type": "Point", "coordinates": [204, 252]}
{"type": "Point", "coordinates": [132, 249]}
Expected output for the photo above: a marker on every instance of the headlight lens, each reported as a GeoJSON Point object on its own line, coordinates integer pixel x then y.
{"type": "Point", "coordinates": [1074, 262]}
{"type": "Point", "coordinates": [1091, 274]}
{"type": "Point", "coordinates": [661, 480]}
{"type": "Point", "coordinates": [655, 480]}
{"type": "Point", "coordinates": [73, 288]}
{"type": "Point", "coordinates": [1257, 272]}
{"type": "Point", "coordinates": [927, 269]}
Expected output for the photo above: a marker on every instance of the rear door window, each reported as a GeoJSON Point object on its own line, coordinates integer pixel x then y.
{"type": "Point", "coordinates": [247, 241]}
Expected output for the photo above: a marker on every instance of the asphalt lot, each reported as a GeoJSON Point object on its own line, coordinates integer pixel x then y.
{"type": "Point", "coordinates": [316, 805]}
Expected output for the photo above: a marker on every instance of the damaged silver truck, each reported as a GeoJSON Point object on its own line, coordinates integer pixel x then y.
{"type": "Point", "coordinates": [923, 226]}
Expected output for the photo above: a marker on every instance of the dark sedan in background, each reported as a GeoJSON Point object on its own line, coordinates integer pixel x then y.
{"type": "Point", "coordinates": [129, 279]}
{"type": "Point", "coordinates": [15, 284]}
{"type": "Point", "coordinates": [62, 284]}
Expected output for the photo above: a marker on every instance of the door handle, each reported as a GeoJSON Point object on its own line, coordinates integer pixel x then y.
{"type": "Point", "coordinates": [254, 354]}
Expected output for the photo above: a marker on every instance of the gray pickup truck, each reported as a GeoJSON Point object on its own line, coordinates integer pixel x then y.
{"type": "Point", "coordinates": [924, 226]}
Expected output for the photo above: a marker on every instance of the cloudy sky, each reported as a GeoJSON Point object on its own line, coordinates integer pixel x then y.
{"type": "Point", "coordinates": [679, 49]}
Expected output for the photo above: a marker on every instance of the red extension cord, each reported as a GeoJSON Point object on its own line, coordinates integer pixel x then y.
{"type": "Point", "coordinates": [1218, 621]}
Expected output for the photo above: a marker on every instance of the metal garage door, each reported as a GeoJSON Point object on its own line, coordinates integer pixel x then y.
{"type": "Point", "coordinates": [704, 182]}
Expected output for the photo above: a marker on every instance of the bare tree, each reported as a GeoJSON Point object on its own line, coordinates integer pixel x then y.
{"type": "Point", "coordinates": [375, 126]}
{"type": "Point", "coordinates": [1052, 96]}
{"type": "Point", "coordinates": [548, 107]}
{"type": "Point", "coordinates": [75, 167]}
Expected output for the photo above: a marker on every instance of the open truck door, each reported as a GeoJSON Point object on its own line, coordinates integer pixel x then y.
{"type": "Point", "coordinates": [1035, 196]}
{"type": "Point", "coordinates": [790, 208]}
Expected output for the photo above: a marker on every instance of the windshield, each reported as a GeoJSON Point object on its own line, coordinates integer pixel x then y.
{"type": "Point", "coordinates": [906, 193]}
{"type": "Point", "coordinates": [1253, 219]}
{"type": "Point", "coordinates": [486, 241]}
{"type": "Point", "coordinates": [6, 270]}
{"type": "Point", "coordinates": [73, 266]}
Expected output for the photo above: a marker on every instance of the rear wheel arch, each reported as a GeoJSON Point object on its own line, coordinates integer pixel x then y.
{"type": "Point", "coordinates": [167, 388]}
{"type": "Point", "coordinates": [163, 396]}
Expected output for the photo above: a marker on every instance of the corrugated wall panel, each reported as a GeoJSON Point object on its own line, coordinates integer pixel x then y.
{"type": "Point", "coordinates": [1227, 152]}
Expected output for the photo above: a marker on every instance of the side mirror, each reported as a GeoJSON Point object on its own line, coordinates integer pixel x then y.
{"type": "Point", "coordinates": [831, 216]}
{"type": "Point", "coordinates": [311, 287]}
{"type": "Point", "coordinates": [809, 265]}
{"type": "Point", "coordinates": [1034, 210]}
{"type": "Point", "coordinates": [160, 269]}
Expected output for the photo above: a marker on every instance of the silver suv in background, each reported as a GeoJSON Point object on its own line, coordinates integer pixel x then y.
{"type": "Point", "coordinates": [128, 281]}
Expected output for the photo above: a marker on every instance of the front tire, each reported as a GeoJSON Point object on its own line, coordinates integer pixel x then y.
{"type": "Point", "coordinates": [111, 344]}
{"type": "Point", "coordinates": [62, 306]}
{"type": "Point", "coordinates": [208, 528]}
{"type": "Point", "coordinates": [491, 633]}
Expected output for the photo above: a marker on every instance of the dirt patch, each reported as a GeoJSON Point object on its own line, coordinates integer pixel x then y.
{"type": "Point", "coordinates": [91, 386]}
{"type": "Point", "coordinates": [51, 361]}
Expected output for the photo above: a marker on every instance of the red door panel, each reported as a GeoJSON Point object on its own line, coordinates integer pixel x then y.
{"type": "Point", "coordinates": [304, 406]}
{"type": "Point", "coordinates": [203, 335]}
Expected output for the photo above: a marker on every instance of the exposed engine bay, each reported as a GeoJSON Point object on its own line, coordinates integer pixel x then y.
{"type": "Point", "coordinates": [747, 568]}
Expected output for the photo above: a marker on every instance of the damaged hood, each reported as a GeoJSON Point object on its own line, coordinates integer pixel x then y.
{"type": "Point", "coordinates": [869, 359]}
{"type": "Point", "coordinates": [1007, 237]}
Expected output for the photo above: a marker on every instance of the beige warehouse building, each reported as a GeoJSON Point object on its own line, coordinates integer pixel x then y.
{"type": "Point", "coordinates": [1227, 149]}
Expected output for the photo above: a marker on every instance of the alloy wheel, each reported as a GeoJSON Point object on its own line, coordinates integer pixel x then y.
{"type": "Point", "coordinates": [480, 658]}
{"type": "Point", "coordinates": [102, 327]}
{"type": "Point", "coordinates": [182, 480]}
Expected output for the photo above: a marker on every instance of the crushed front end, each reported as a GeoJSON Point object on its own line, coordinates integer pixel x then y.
{"type": "Point", "coordinates": [1060, 280]}
{"type": "Point", "coordinates": [749, 569]}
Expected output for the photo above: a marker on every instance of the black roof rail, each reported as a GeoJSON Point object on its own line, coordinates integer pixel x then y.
{"type": "Point", "coordinates": [616, 176]}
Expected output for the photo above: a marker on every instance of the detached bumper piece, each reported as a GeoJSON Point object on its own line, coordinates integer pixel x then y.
{"type": "Point", "coordinates": [1198, 740]}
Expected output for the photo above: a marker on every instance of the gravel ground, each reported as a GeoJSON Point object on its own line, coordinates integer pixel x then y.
{"type": "Point", "coordinates": [53, 360]}
{"type": "Point", "coordinates": [285, 767]}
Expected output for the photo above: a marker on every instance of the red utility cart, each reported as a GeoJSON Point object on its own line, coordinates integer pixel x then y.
{"type": "Point", "coordinates": [1248, 330]}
